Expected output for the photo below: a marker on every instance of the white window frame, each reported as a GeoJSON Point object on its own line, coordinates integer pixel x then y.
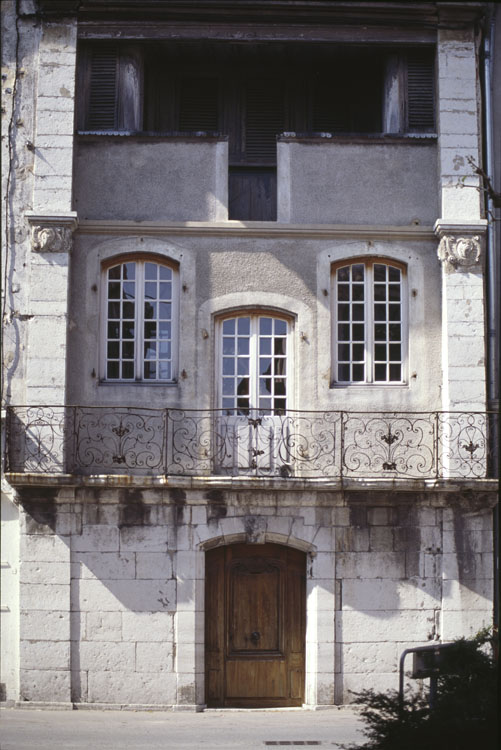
{"type": "Point", "coordinates": [254, 316]}
{"type": "Point", "coordinates": [369, 342]}
{"type": "Point", "coordinates": [140, 261]}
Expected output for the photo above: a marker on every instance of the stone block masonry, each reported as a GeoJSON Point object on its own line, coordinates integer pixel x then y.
{"type": "Point", "coordinates": [113, 612]}
{"type": "Point", "coordinates": [55, 106]}
{"type": "Point", "coordinates": [461, 227]}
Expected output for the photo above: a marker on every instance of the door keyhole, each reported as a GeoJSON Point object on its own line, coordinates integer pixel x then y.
{"type": "Point", "coordinates": [255, 636]}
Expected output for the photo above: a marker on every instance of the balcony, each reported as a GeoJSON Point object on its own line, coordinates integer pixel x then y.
{"type": "Point", "coordinates": [157, 178]}
{"type": "Point", "coordinates": [299, 445]}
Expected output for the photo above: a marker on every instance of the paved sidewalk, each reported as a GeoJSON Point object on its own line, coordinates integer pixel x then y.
{"type": "Point", "coordinates": [150, 730]}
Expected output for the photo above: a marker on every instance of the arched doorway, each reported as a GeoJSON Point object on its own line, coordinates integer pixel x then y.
{"type": "Point", "coordinates": [255, 620]}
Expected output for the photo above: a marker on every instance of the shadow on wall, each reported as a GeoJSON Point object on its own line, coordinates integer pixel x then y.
{"type": "Point", "coordinates": [396, 569]}
{"type": "Point", "coordinates": [383, 548]}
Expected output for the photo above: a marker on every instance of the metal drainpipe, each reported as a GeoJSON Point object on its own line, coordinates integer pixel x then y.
{"type": "Point", "coordinates": [491, 290]}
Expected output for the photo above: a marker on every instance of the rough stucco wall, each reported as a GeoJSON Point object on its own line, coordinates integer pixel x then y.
{"type": "Point", "coordinates": [357, 183]}
{"type": "Point", "coordinates": [333, 183]}
{"type": "Point", "coordinates": [288, 274]}
{"type": "Point", "coordinates": [387, 572]}
{"type": "Point", "coordinates": [158, 181]}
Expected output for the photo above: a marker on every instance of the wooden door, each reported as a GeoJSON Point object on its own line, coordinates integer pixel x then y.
{"type": "Point", "coordinates": [255, 617]}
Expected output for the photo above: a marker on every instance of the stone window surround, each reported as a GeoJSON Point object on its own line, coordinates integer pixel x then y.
{"type": "Point", "coordinates": [141, 258]}
{"type": "Point", "coordinates": [254, 336]}
{"type": "Point", "coordinates": [369, 262]}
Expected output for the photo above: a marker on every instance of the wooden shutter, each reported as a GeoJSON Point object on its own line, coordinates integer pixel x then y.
{"type": "Point", "coordinates": [198, 104]}
{"type": "Point", "coordinates": [102, 109]}
{"type": "Point", "coordinates": [420, 91]}
{"type": "Point", "coordinates": [330, 108]}
{"type": "Point", "coordinates": [264, 119]}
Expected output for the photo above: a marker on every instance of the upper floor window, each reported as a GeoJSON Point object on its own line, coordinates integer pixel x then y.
{"type": "Point", "coordinates": [254, 364]}
{"type": "Point", "coordinates": [140, 337]}
{"type": "Point", "coordinates": [370, 327]}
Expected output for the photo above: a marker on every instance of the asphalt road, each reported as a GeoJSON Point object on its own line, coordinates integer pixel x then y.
{"type": "Point", "coordinates": [150, 730]}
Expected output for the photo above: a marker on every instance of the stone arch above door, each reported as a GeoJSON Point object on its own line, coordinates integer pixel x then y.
{"type": "Point", "coordinates": [258, 536]}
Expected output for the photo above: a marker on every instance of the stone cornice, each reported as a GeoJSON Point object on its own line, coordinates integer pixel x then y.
{"type": "Point", "coordinates": [446, 485]}
{"type": "Point", "coordinates": [446, 226]}
{"type": "Point", "coordinates": [256, 229]}
{"type": "Point", "coordinates": [52, 233]}
{"type": "Point", "coordinates": [305, 12]}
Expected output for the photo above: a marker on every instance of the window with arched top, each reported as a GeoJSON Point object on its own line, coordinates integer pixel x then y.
{"type": "Point", "coordinates": [254, 363]}
{"type": "Point", "coordinates": [140, 336]}
{"type": "Point", "coordinates": [369, 322]}
{"type": "Point", "coordinates": [254, 391]}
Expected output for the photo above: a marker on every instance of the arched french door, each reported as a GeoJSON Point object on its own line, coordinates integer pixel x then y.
{"type": "Point", "coordinates": [254, 392]}
{"type": "Point", "coordinates": [255, 622]}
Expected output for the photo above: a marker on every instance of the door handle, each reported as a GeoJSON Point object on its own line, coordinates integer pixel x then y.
{"type": "Point", "coordinates": [255, 636]}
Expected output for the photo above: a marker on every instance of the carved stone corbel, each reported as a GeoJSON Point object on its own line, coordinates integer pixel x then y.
{"type": "Point", "coordinates": [50, 239]}
{"type": "Point", "coordinates": [460, 252]}
{"type": "Point", "coordinates": [52, 233]}
{"type": "Point", "coordinates": [461, 245]}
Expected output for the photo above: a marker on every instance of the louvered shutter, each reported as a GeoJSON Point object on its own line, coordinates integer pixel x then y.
{"type": "Point", "coordinates": [264, 119]}
{"type": "Point", "coordinates": [102, 110]}
{"type": "Point", "coordinates": [420, 92]}
{"type": "Point", "coordinates": [198, 104]}
{"type": "Point", "coordinates": [330, 108]}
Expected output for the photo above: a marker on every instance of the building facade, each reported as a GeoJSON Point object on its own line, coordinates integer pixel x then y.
{"type": "Point", "coordinates": [250, 430]}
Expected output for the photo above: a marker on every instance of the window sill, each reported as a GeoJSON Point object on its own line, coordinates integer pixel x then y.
{"type": "Point", "coordinates": [137, 383]}
{"type": "Point", "coordinates": [371, 386]}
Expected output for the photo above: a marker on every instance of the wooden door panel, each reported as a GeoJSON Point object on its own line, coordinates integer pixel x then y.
{"type": "Point", "coordinates": [256, 679]}
{"type": "Point", "coordinates": [255, 626]}
{"type": "Point", "coordinates": [254, 622]}
{"type": "Point", "coordinates": [214, 596]}
{"type": "Point", "coordinates": [296, 610]}
{"type": "Point", "coordinates": [214, 627]}
{"type": "Point", "coordinates": [296, 683]}
{"type": "Point", "coordinates": [252, 193]}
{"type": "Point", "coordinates": [214, 686]}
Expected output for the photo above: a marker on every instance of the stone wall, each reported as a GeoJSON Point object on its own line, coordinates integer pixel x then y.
{"type": "Point", "coordinates": [112, 585]}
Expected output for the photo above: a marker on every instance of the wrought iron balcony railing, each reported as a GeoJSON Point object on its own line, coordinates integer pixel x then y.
{"type": "Point", "coordinates": [321, 444]}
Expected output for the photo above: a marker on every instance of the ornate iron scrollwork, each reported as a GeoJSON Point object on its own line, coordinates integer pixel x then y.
{"type": "Point", "coordinates": [85, 440]}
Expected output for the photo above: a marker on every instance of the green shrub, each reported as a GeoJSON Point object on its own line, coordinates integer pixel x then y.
{"type": "Point", "coordinates": [465, 713]}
